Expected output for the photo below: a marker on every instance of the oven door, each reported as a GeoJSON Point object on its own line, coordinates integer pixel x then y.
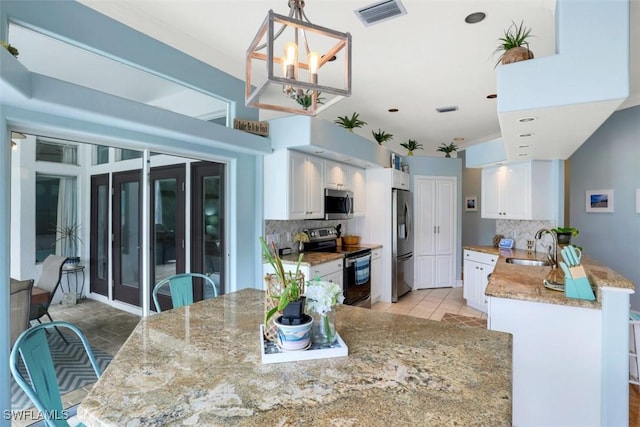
{"type": "Point", "coordinates": [357, 280]}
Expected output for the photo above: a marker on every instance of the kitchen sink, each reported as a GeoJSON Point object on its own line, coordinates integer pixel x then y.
{"type": "Point", "coordinates": [528, 262]}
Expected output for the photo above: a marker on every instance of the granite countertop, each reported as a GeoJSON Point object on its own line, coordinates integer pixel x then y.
{"type": "Point", "coordinates": [527, 283]}
{"type": "Point", "coordinates": [313, 258]}
{"type": "Point", "coordinates": [201, 365]}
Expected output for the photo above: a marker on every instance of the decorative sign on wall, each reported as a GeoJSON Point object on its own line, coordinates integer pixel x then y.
{"type": "Point", "coordinates": [251, 126]}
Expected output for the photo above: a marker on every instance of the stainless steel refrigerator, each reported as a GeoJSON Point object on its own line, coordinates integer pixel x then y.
{"type": "Point", "coordinates": [402, 243]}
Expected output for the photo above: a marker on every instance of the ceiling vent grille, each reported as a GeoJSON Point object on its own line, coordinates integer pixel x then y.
{"type": "Point", "coordinates": [379, 12]}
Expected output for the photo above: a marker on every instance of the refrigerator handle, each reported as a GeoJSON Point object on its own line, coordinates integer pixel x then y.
{"type": "Point", "coordinates": [407, 215]}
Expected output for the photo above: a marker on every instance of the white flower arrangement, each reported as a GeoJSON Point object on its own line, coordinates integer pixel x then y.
{"type": "Point", "coordinates": [323, 296]}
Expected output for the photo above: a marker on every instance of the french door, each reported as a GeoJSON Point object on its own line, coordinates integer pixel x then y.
{"type": "Point", "coordinates": [168, 225]}
{"type": "Point", "coordinates": [168, 204]}
{"type": "Point", "coordinates": [208, 221]}
{"type": "Point", "coordinates": [99, 247]}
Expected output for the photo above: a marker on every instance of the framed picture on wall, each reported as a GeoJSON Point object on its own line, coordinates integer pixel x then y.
{"type": "Point", "coordinates": [637, 200]}
{"type": "Point", "coordinates": [599, 201]}
{"type": "Point", "coordinates": [471, 203]}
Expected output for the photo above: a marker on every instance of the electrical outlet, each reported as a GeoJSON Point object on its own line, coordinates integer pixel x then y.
{"type": "Point", "coordinates": [512, 234]}
{"type": "Point", "coordinates": [272, 238]}
{"type": "Point", "coordinates": [288, 236]}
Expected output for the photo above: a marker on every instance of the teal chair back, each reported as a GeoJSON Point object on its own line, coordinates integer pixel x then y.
{"type": "Point", "coordinates": [180, 287]}
{"type": "Point", "coordinates": [33, 348]}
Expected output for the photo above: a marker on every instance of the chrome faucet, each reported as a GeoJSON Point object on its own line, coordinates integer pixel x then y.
{"type": "Point", "coordinates": [552, 254]}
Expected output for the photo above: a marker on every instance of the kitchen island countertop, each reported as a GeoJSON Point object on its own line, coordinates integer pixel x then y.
{"type": "Point", "coordinates": [527, 283]}
{"type": "Point", "coordinates": [200, 365]}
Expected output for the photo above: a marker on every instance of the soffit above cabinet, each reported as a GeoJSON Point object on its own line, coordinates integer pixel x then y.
{"type": "Point", "coordinates": [325, 139]}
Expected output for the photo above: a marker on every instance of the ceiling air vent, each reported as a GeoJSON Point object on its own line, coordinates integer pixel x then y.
{"type": "Point", "coordinates": [381, 11]}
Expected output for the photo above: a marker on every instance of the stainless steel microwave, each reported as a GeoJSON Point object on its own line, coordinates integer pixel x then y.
{"type": "Point", "coordinates": [338, 204]}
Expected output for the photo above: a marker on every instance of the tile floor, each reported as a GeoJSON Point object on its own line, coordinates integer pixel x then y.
{"type": "Point", "coordinates": [430, 304]}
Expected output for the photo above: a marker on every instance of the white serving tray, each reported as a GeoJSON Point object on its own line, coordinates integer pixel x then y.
{"type": "Point", "coordinates": [272, 354]}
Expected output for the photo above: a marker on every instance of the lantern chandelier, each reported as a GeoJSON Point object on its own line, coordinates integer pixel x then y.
{"type": "Point", "coordinates": [298, 83]}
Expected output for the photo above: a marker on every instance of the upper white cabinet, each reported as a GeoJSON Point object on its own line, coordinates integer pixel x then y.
{"type": "Point", "coordinates": [400, 180]}
{"type": "Point", "coordinates": [293, 186]}
{"type": "Point", "coordinates": [341, 176]}
{"type": "Point", "coordinates": [337, 175]}
{"type": "Point", "coordinates": [435, 215]}
{"type": "Point", "coordinates": [518, 191]}
{"type": "Point", "coordinates": [359, 188]}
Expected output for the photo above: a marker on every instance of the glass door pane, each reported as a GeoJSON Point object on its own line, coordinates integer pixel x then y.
{"type": "Point", "coordinates": [99, 243]}
{"type": "Point", "coordinates": [208, 201]}
{"type": "Point", "coordinates": [126, 242]}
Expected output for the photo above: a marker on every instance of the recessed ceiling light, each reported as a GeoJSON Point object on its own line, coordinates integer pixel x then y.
{"type": "Point", "coordinates": [526, 135]}
{"type": "Point", "coordinates": [524, 146]}
{"type": "Point", "coordinates": [474, 18]}
{"type": "Point", "coordinates": [319, 152]}
{"type": "Point", "coordinates": [447, 109]}
{"type": "Point", "coordinates": [458, 139]}
{"type": "Point", "coordinates": [522, 155]}
{"type": "Point", "coordinates": [526, 119]}
{"type": "Point", "coordinates": [492, 96]}
{"type": "Point", "coordinates": [393, 110]}
{"type": "Point", "coordinates": [333, 58]}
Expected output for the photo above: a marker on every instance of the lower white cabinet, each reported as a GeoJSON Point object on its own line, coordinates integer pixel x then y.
{"type": "Point", "coordinates": [376, 274]}
{"type": "Point", "coordinates": [477, 267]}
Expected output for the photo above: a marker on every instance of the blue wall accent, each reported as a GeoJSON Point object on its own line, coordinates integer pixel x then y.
{"type": "Point", "coordinates": [487, 153]}
{"type": "Point", "coordinates": [476, 231]}
{"type": "Point", "coordinates": [610, 159]}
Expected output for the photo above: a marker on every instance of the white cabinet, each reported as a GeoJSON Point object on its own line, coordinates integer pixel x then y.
{"type": "Point", "coordinates": [477, 267]}
{"type": "Point", "coordinates": [400, 180]}
{"type": "Point", "coordinates": [293, 186]}
{"type": "Point", "coordinates": [518, 191]}
{"type": "Point", "coordinates": [359, 188]}
{"type": "Point", "coordinates": [376, 274]}
{"type": "Point", "coordinates": [435, 231]}
{"type": "Point", "coordinates": [341, 176]}
{"type": "Point", "coordinates": [337, 175]}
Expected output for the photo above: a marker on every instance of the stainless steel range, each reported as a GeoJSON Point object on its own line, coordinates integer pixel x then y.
{"type": "Point", "coordinates": [356, 281]}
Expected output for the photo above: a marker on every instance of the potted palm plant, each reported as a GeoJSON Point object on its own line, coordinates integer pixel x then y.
{"type": "Point", "coordinates": [447, 149]}
{"type": "Point", "coordinates": [68, 236]}
{"type": "Point", "coordinates": [305, 99]}
{"type": "Point", "coordinates": [412, 145]}
{"type": "Point", "coordinates": [285, 295]}
{"type": "Point", "coordinates": [514, 45]}
{"type": "Point", "coordinates": [12, 50]}
{"type": "Point", "coordinates": [350, 123]}
{"type": "Point", "coordinates": [381, 136]}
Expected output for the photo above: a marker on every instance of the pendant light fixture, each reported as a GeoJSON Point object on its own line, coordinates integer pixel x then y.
{"type": "Point", "coordinates": [301, 81]}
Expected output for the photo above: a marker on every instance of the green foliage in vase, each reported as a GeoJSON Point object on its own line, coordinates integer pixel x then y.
{"type": "Point", "coordinates": [412, 145]}
{"type": "Point", "coordinates": [514, 36]}
{"type": "Point", "coordinates": [350, 123]}
{"type": "Point", "coordinates": [381, 136]}
{"type": "Point", "coordinates": [306, 99]}
{"type": "Point", "coordinates": [289, 280]}
{"type": "Point", "coordinates": [447, 148]}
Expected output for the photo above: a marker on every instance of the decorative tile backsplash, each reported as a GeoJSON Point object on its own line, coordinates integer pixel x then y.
{"type": "Point", "coordinates": [285, 230]}
{"type": "Point", "coordinates": [520, 230]}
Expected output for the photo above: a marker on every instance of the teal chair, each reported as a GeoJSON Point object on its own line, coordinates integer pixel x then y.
{"type": "Point", "coordinates": [180, 288]}
{"type": "Point", "coordinates": [33, 348]}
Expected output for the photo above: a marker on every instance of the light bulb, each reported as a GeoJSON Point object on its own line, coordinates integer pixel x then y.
{"type": "Point", "coordinates": [313, 58]}
{"type": "Point", "coordinates": [290, 60]}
